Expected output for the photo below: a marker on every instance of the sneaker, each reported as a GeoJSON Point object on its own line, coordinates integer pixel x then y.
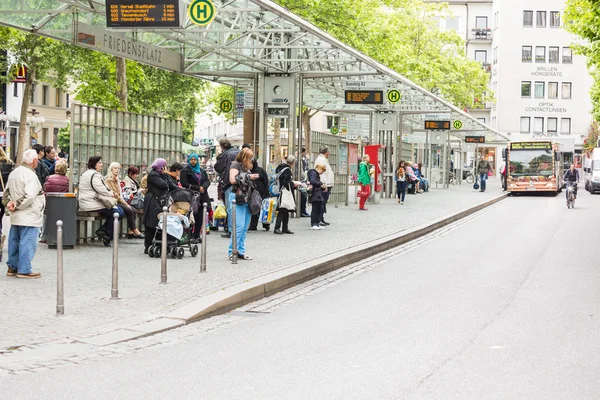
{"type": "Point", "coordinates": [401, 202]}
{"type": "Point", "coordinates": [288, 232]}
{"type": "Point", "coordinates": [316, 228]}
{"type": "Point", "coordinates": [244, 257]}
{"type": "Point", "coordinates": [323, 223]}
{"type": "Point", "coordinates": [31, 275]}
{"type": "Point", "coordinates": [306, 215]}
{"type": "Point", "coordinates": [11, 272]}
{"type": "Point", "coordinates": [226, 235]}
{"type": "Point", "coordinates": [277, 232]}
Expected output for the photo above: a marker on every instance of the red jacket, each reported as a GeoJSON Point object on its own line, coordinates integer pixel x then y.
{"type": "Point", "coordinates": [56, 184]}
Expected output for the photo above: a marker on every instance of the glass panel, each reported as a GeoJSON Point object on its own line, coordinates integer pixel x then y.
{"type": "Point", "coordinates": [138, 157]}
{"type": "Point", "coordinates": [126, 159]}
{"type": "Point", "coordinates": [554, 55]}
{"type": "Point", "coordinates": [525, 124]}
{"type": "Point", "coordinates": [481, 22]}
{"type": "Point", "coordinates": [92, 116]}
{"type": "Point", "coordinates": [77, 116]}
{"type": "Point", "coordinates": [541, 19]}
{"type": "Point", "coordinates": [538, 125]}
{"type": "Point", "coordinates": [84, 115]}
{"type": "Point", "coordinates": [539, 90]}
{"type": "Point", "coordinates": [555, 19]}
{"type": "Point", "coordinates": [127, 119]}
{"type": "Point", "coordinates": [531, 162]}
{"type": "Point", "coordinates": [565, 125]}
{"type": "Point", "coordinates": [525, 89]}
{"type": "Point", "coordinates": [76, 133]}
{"type": "Point", "coordinates": [552, 124]}
{"type": "Point", "coordinates": [553, 90]}
{"type": "Point", "coordinates": [527, 18]}
{"type": "Point", "coordinates": [566, 90]}
{"type": "Point", "coordinates": [567, 55]}
{"type": "Point", "coordinates": [113, 136]}
{"type": "Point", "coordinates": [540, 54]}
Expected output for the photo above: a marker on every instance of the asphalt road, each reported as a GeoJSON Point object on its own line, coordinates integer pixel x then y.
{"type": "Point", "coordinates": [506, 306]}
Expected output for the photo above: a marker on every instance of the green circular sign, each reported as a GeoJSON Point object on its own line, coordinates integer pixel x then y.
{"type": "Point", "coordinates": [202, 12]}
{"type": "Point", "coordinates": [394, 96]}
{"type": "Point", "coordinates": [334, 130]}
{"type": "Point", "coordinates": [226, 106]}
{"type": "Point", "coordinates": [457, 124]}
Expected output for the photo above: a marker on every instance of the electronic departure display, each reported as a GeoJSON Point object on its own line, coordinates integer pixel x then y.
{"type": "Point", "coordinates": [363, 97]}
{"type": "Point", "coordinates": [437, 125]}
{"type": "Point", "coordinates": [474, 139]}
{"type": "Point", "coordinates": [142, 13]}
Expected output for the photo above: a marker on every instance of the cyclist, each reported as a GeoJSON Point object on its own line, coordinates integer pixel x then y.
{"type": "Point", "coordinates": [572, 175]}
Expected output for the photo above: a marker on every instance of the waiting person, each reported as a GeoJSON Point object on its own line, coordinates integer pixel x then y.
{"type": "Point", "coordinates": [131, 190]}
{"type": "Point", "coordinates": [364, 179]}
{"type": "Point", "coordinates": [304, 163]}
{"type": "Point", "coordinates": [423, 183]}
{"type": "Point", "coordinates": [62, 154]}
{"type": "Point", "coordinates": [6, 167]}
{"type": "Point", "coordinates": [159, 187]}
{"type": "Point", "coordinates": [328, 178]}
{"type": "Point", "coordinates": [316, 196]}
{"type": "Point", "coordinates": [41, 169]}
{"type": "Point", "coordinates": [193, 177]}
{"type": "Point", "coordinates": [49, 159]}
{"type": "Point", "coordinates": [114, 184]}
{"type": "Point", "coordinates": [262, 185]}
{"type": "Point", "coordinates": [25, 200]}
{"type": "Point", "coordinates": [412, 177]}
{"type": "Point", "coordinates": [401, 181]}
{"type": "Point", "coordinates": [503, 175]}
{"type": "Point", "coordinates": [240, 175]}
{"type": "Point", "coordinates": [174, 173]}
{"type": "Point", "coordinates": [94, 196]}
{"type": "Point", "coordinates": [285, 182]}
{"type": "Point", "coordinates": [483, 168]}
{"type": "Point", "coordinates": [224, 160]}
{"type": "Point", "coordinates": [59, 181]}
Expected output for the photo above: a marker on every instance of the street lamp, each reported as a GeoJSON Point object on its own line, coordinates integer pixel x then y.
{"type": "Point", "coordinates": [5, 121]}
{"type": "Point", "coordinates": [35, 123]}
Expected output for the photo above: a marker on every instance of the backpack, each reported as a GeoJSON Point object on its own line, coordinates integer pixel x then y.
{"type": "Point", "coordinates": [274, 185]}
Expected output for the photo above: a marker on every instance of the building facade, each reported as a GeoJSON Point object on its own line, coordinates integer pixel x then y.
{"type": "Point", "coordinates": [541, 87]}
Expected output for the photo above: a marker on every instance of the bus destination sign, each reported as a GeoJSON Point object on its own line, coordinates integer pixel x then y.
{"type": "Point", "coordinates": [474, 139]}
{"type": "Point", "coordinates": [437, 125]}
{"type": "Point", "coordinates": [531, 146]}
{"type": "Point", "coordinates": [142, 14]}
{"type": "Point", "coordinates": [364, 96]}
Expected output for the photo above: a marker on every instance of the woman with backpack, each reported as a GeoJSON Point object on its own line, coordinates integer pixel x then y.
{"type": "Point", "coordinates": [316, 196]}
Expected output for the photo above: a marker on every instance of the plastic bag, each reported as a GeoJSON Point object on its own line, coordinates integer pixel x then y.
{"type": "Point", "coordinates": [220, 212]}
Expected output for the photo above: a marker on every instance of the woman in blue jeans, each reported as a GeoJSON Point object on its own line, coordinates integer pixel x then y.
{"type": "Point", "coordinates": [401, 182]}
{"type": "Point", "coordinates": [240, 176]}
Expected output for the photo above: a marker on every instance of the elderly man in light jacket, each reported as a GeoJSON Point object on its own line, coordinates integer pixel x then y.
{"type": "Point", "coordinates": [26, 202]}
{"type": "Point", "coordinates": [327, 178]}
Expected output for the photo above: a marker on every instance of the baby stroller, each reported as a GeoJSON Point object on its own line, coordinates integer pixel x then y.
{"type": "Point", "coordinates": [179, 227]}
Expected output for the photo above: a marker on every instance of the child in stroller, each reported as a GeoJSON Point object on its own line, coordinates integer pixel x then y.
{"type": "Point", "coordinates": [179, 226]}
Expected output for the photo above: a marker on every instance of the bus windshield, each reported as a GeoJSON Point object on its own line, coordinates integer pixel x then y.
{"type": "Point", "coordinates": [531, 162]}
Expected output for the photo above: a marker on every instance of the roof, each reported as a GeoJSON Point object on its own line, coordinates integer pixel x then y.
{"type": "Point", "coordinates": [246, 38]}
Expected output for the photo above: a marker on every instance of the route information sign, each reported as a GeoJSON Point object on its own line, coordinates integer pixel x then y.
{"type": "Point", "coordinates": [437, 125]}
{"type": "Point", "coordinates": [142, 14]}
{"type": "Point", "coordinates": [474, 139]}
{"type": "Point", "coordinates": [363, 96]}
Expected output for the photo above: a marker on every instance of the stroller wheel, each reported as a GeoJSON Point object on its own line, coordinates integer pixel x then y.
{"type": "Point", "coordinates": [157, 251]}
{"type": "Point", "coordinates": [151, 251]}
{"type": "Point", "coordinates": [174, 252]}
{"type": "Point", "coordinates": [180, 253]}
{"type": "Point", "coordinates": [194, 250]}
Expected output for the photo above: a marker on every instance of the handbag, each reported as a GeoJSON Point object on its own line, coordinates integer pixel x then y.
{"type": "Point", "coordinates": [255, 202]}
{"type": "Point", "coordinates": [476, 184]}
{"type": "Point", "coordinates": [220, 212]}
{"type": "Point", "coordinates": [489, 173]}
{"type": "Point", "coordinates": [286, 200]}
{"type": "Point", "coordinates": [137, 201]}
{"type": "Point", "coordinates": [362, 193]}
{"type": "Point", "coordinates": [107, 202]}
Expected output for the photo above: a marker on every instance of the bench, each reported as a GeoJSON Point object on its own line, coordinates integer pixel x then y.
{"type": "Point", "coordinates": [89, 222]}
{"type": "Point", "coordinates": [410, 186]}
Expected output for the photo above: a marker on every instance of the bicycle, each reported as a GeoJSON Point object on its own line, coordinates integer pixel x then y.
{"type": "Point", "coordinates": [468, 176]}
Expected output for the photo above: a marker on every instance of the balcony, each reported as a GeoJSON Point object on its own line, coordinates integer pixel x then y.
{"type": "Point", "coordinates": [481, 34]}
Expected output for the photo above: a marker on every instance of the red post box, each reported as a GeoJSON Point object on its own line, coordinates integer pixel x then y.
{"type": "Point", "coordinates": [375, 153]}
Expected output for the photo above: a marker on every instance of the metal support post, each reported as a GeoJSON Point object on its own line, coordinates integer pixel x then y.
{"type": "Point", "coordinates": [203, 255]}
{"type": "Point", "coordinates": [114, 293]}
{"type": "Point", "coordinates": [163, 248]}
{"type": "Point", "coordinates": [427, 157]}
{"type": "Point", "coordinates": [299, 160]}
{"type": "Point", "coordinates": [60, 291]}
{"type": "Point", "coordinates": [234, 249]}
{"type": "Point", "coordinates": [370, 128]}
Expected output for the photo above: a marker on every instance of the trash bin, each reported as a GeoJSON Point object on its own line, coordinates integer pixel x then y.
{"type": "Point", "coordinates": [63, 207]}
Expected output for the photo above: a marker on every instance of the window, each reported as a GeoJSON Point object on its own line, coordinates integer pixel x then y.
{"type": "Point", "coordinates": [481, 56]}
{"type": "Point", "coordinates": [283, 123]}
{"type": "Point", "coordinates": [525, 89]}
{"type": "Point", "coordinates": [566, 90]}
{"type": "Point", "coordinates": [481, 120]}
{"type": "Point", "coordinates": [552, 125]}
{"type": "Point", "coordinates": [15, 89]}
{"type": "Point", "coordinates": [32, 94]}
{"type": "Point", "coordinates": [525, 124]}
{"type": "Point", "coordinates": [45, 95]}
{"type": "Point", "coordinates": [451, 23]}
{"type": "Point", "coordinates": [67, 101]}
{"type": "Point", "coordinates": [538, 125]}
{"type": "Point", "coordinates": [567, 55]}
{"type": "Point", "coordinates": [540, 18]}
{"type": "Point", "coordinates": [496, 55]}
{"type": "Point", "coordinates": [528, 18]}
{"type": "Point", "coordinates": [526, 53]}
{"type": "Point", "coordinates": [565, 126]}
{"type": "Point", "coordinates": [554, 19]}
{"type": "Point", "coordinates": [540, 90]}
{"type": "Point", "coordinates": [332, 121]}
{"type": "Point", "coordinates": [553, 90]}
{"type": "Point", "coordinates": [481, 22]}
{"type": "Point", "coordinates": [57, 97]}
{"type": "Point", "coordinates": [496, 19]}
{"type": "Point", "coordinates": [554, 55]}
{"type": "Point", "coordinates": [540, 54]}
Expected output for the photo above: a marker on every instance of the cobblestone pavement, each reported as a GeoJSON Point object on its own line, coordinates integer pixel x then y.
{"type": "Point", "coordinates": [75, 354]}
{"type": "Point", "coordinates": [31, 322]}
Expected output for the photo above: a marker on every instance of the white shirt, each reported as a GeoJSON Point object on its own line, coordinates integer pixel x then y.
{"type": "Point", "coordinates": [327, 177]}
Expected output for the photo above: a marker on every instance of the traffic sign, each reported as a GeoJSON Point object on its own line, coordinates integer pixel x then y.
{"type": "Point", "coordinates": [334, 130]}
{"type": "Point", "coordinates": [226, 106]}
{"type": "Point", "coordinates": [202, 12]}
{"type": "Point", "coordinates": [457, 124]}
{"type": "Point", "coordinates": [394, 96]}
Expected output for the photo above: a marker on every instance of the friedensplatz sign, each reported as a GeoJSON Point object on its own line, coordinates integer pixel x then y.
{"type": "Point", "coordinates": [98, 38]}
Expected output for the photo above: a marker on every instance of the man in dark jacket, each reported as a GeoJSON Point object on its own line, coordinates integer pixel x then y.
{"type": "Point", "coordinates": [222, 165]}
{"type": "Point", "coordinates": [262, 185]}
{"type": "Point", "coordinates": [49, 159]}
{"type": "Point", "coordinates": [41, 170]}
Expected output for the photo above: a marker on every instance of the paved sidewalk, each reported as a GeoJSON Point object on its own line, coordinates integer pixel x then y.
{"type": "Point", "coordinates": [30, 319]}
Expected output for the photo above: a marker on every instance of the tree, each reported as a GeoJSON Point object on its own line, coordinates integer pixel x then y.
{"type": "Point", "coordinates": [45, 59]}
{"type": "Point", "coordinates": [64, 139]}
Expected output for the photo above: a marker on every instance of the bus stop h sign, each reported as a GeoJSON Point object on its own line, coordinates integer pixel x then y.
{"type": "Point", "coordinates": [202, 12]}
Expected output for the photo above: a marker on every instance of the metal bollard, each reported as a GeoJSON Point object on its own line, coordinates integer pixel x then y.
{"type": "Point", "coordinates": [203, 255]}
{"type": "Point", "coordinates": [163, 249]}
{"type": "Point", "coordinates": [114, 292]}
{"type": "Point", "coordinates": [234, 249]}
{"type": "Point", "coordinates": [60, 290]}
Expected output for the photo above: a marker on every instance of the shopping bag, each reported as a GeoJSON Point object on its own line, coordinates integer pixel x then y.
{"type": "Point", "coordinates": [267, 212]}
{"type": "Point", "coordinates": [220, 212]}
{"type": "Point", "coordinates": [286, 200]}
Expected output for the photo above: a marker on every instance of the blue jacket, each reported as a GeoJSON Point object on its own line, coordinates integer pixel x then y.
{"type": "Point", "coordinates": [49, 164]}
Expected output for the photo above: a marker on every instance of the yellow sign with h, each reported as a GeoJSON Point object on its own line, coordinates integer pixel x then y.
{"type": "Point", "coordinates": [202, 12]}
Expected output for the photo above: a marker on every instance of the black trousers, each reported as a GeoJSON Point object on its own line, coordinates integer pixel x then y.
{"type": "Point", "coordinates": [303, 201]}
{"type": "Point", "coordinates": [150, 232]}
{"type": "Point", "coordinates": [283, 217]}
{"type": "Point", "coordinates": [316, 213]}
{"type": "Point", "coordinates": [130, 214]}
{"type": "Point", "coordinates": [198, 223]}
{"type": "Point", "coordinates": [325, 200]}
{"type": "Point", "coordinates": [254, 222]}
